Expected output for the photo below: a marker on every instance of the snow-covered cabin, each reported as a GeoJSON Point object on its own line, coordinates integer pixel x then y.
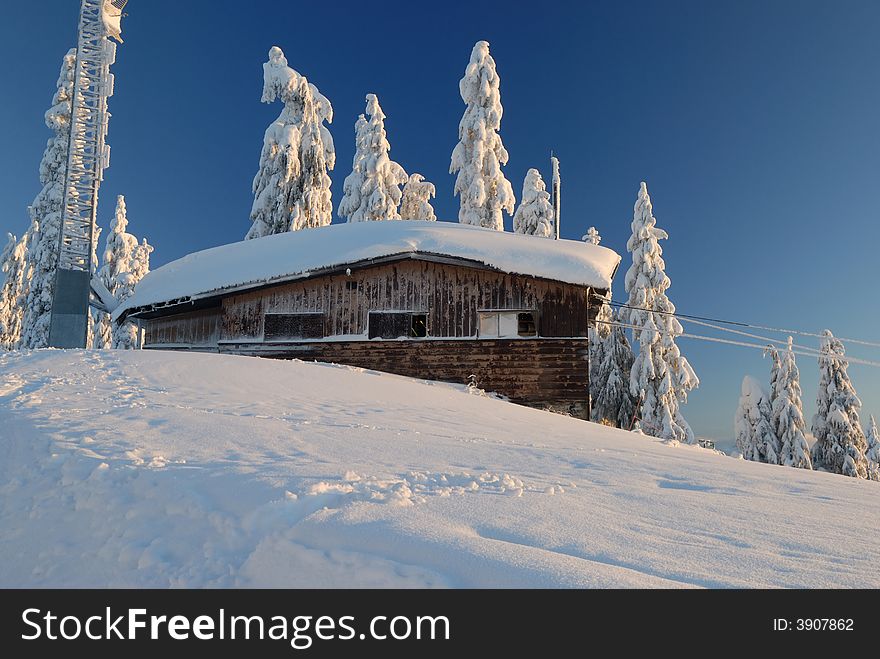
{"type": "Point", "coordinates": [432, 300]}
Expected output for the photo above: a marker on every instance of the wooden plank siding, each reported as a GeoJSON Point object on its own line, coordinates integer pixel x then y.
{"type": "Point", "coordinates": [198, 329]}
{"type": "Point", "coordinates": [450, 295]}
{"type": "Point", "coordinates": [543, 373]}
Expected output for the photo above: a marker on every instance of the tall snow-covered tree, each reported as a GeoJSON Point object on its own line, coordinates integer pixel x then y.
{"type": "Point", "coordinates": [788, 412]}
{"type": "Point", "coordinates": [372, 190]}
{"type": "Point", "coordinates": [416, 201]}
{"type": "Point", "coordinates": [597, 333]}
{"type": "Point", "coordinates": [661, 377]}
{"type": "Point", "coordinates": [872, 453]}
{"type": "Point", "coordinates": [534, 216]}
{"type": "Point", "coordinates": [480, 154]}
{"type": "Point", "coordinates": [592, 236]}
{"type": "Point", "coordinates": [840, 442]}
{"type": "Point", "coordinates": [45, 212]}
{"type": "Point", "coordinates": [13, 266]}
{"type": "Point", "coordinates": [292, 186]}
{"type": "Point", "coordinates": [609, 383]}
{"type": "Point", "coordinates": [755, 438]}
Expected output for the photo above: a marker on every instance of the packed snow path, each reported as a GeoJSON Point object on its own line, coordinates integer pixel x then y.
{"type": "Point", "coordinates": [162, 469]}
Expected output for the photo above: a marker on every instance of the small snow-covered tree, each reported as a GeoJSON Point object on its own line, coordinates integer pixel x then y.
{"type": "Point", "coordinates": [125, 264]}
{"type": "Point", "coordinates": [872, 453]}
{"type": "Point", "coordinates": [609, 381]}
{"type": "Point", "coordinates": [372, 190]}
{"type": "Point", "coordinates": [416, 201]}
{"type": "Point", "coordinates": [125, 336]}
{"type": "Point", "coordinates": [480, 154]}
{"type": "Point", "coordinates": [788, 412]}
{"type": "Point", "coordinates": [45, 212]}
{"type": "Point", "coordinates": [13, 266]}
{"type": "Point", "coordinates": [534, 216]}
{"type": "Point", "coordinates": [661, 377]}
{"type": "Point", "coordinates": [592, 236]}
{"type": "Point", "coordinates": [292, 186]}
{"type": "Point", "coordinates": [755, 438]}
{"type": "Point", "coordinates": [840, 442]}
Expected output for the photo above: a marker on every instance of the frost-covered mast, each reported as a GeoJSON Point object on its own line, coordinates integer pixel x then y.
{"type": "Point", "coordinates": [88, 157]}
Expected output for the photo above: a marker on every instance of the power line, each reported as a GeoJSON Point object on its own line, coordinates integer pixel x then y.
{"type": "Point", "coordinates": [735, 323]}
{"type": "Point", "coordinates": [797, 350]}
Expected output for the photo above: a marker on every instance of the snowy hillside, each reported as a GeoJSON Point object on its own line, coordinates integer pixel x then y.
{"type": "Point", "coordinates": [160, 469]}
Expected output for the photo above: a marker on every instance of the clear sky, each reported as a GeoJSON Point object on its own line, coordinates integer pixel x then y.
{"type": "Point", "coordinates": [755, 124]}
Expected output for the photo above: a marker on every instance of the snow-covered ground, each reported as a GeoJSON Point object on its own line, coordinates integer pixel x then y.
{"type": "Point", "coordinates": [160, 469]}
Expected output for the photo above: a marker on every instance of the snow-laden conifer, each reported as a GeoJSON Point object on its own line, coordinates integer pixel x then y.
{"type": "Point", "coordinates": [45, 212]}
{"type": "Point", "coordinates": [372, 190]}
{"type": "Point", "coordinates": [755, 438]}
{"type": "Point", "coordinates": [872, 453]}
{"type": "Point", "coordinates": [592, 236]}
{"type": "Point", "coordinates": [840, 442]}
{"type": "Point", "coordinates": [416, 201]}
{"type": "Point", "coordinates": [534, 216]}
{"type": "Point", "coordinates": [609, 381]}
{"type": "Point", "coordinates": [13, 266]}
{"type": "Point", "coordinates": [661, 377]}
{"type": "Point", "coordinates": [480, 154]}
{"type": "Point", "coordinates": [789, 426]}
{"type": "Point", "coordinates": [292, 186]}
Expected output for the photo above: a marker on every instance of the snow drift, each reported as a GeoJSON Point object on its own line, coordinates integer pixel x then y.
{"type": "Point", "coordinates": [165, 469]}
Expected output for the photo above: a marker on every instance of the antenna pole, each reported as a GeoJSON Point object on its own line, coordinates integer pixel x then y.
{"type": "Point", "coordinates": [557, 192]}
{"type": "Point", "coordinates": [87, 158]}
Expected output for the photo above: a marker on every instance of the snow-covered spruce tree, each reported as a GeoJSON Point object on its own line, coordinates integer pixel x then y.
{"type": "Point", "coordinates": [45, 212]}
{"type": "Point", "coordinates": [480, 154]}
{"type": "Point", "coordinates": [534, 216]}
{"type": "Point", "coordinates": [592, 236]}
{"type": "Point", "coordinates": [597, 333]}
{"type": "Point", "coordinates": [661, 377]}
{"type": "Point", "coordinates": [840, 443]}
{"type": "Point", "coordinates": [125, 336]}
{"type": "Point", "coordinates": [612, 401]}
{"type": "Point", "coordinates": [13, 265]}
{"type": "Point", "coordinates": [372, 190]}
{"type": "Point", "coordinates": [755, 438]}
{"type": "Point", "coordinates": [872, 453]}
{"type": "Point", "coordinates": [292, 186]}
{"type": "Point", "coordinates": [788, 413]}
{"type": "Point", "coordinates": [120, 258]}
{"type": "Point", "coordinates": [416, 201]}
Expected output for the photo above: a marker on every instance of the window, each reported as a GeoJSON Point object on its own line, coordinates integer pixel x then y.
{"type": "Point", "coordinates": [281, 326]}
{"type": "Point", "coordinates": [398, 324]}
{"type": "Point", "coordinates": [502, 324]}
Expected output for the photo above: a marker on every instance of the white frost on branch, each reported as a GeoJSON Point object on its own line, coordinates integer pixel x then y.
{"type": "Point", "coordinates": [480, 154]}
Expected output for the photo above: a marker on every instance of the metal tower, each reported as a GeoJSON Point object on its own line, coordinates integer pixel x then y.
{"type": "Point", "coordinates": [88, 157]}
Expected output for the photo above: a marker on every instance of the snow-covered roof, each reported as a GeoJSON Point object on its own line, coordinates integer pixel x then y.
{"type": "Point", "coordinates": [296, 255]}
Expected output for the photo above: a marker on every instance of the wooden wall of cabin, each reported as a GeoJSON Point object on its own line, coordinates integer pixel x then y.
{"type": "Point", "coordinates": [197, 329]}
{"type": "Point", "coordinates": [543, 373]}
{"type": "Point", "coordinates": [451, 295]}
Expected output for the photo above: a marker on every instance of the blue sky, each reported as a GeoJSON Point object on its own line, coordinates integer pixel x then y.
{"type": "Point", "coordinates": [753, 122]}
